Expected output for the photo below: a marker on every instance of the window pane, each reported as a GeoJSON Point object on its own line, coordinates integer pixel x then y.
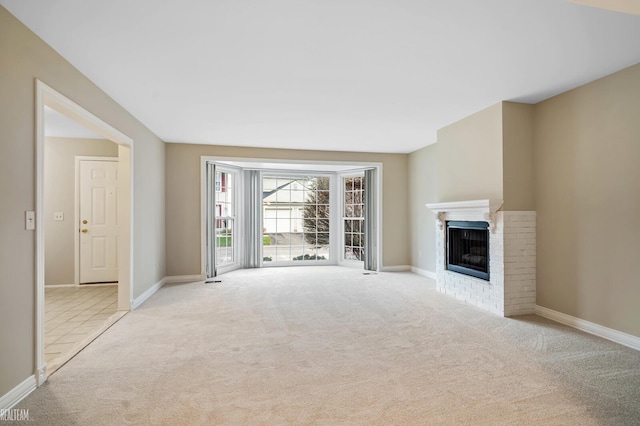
{"type": "Point", "coordinates": [300, 206]}
{"type": "Point", "coordinates": [224, 223]}
{"type": "Point", "coordinates": [353, 216]}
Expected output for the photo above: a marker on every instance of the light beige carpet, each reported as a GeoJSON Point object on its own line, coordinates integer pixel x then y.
{"type": "Point", "coordinates": [329, 345]}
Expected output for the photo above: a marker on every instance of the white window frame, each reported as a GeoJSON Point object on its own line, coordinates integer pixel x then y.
{"type": "Point", "coordinates": [238, 219]}
{"type": "Point", "coordinates": [332, 217]}
{"type": "Point", "coordinates": [341, 177]}
{"type": "Point", "coordinates": [308, 167]}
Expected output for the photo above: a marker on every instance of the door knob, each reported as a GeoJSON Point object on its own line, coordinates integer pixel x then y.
{"type": "Point", "coordinates": [84, 222]}
{"type": "Point", "coordinates": [85, 230]}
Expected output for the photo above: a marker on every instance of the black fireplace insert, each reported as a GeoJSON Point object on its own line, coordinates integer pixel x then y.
{"type": "Point", "coordinates": [468, 248]}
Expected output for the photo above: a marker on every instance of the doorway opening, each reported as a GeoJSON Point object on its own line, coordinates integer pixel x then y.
{"type": "Point", "coordinates": [68, 315]}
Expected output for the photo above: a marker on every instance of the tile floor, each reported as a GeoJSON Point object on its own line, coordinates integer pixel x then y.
{"type": "Point", "coordinates": [72, 315]}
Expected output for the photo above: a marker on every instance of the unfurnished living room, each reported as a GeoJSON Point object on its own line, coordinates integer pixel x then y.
{"type": "Point", "coordinates": [320, 212]}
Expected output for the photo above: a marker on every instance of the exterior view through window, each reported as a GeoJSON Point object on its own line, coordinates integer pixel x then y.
{"type": "Point", "coordinates": [225, 219]}
{"type": "Point", "coordinates": [353, 218]}
{"type": "Point", "coordinates": [295, 218]}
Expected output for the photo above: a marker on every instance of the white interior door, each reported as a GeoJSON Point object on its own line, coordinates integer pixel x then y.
{"type": "Point", "coordinates": [98, 221]}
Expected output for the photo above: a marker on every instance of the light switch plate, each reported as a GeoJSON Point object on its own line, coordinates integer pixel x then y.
{"type": "Point", "coordinates": [30, 220]}
{"type": "Point", "coordinates": [58, 216]}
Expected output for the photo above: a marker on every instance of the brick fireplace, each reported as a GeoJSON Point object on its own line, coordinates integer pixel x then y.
{"type": "Point", "coordinates": [511, 288]}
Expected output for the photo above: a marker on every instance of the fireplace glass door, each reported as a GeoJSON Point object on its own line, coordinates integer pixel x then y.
{"type": "Point", "coordinates": [468, 248]}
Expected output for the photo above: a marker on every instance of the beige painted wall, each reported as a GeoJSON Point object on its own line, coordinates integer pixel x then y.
{"type": "Point", "coordinates": [465, 164]}
{"type": "Point", "coordinates": [587, 191]}
{"type": "Point", "coordinates": [423, 189]}
{"type": "Point", "coordinates": [59, 196]}
{"type": "Point", "coordinates": [517, 156]}
{"type": "Point", "coordinates": [183, 199]}
{"type": "Point", "coordinates": [23, 58]}
{"type": "Point", "coordinates": [470, 157]}
{"type": "Point", "coordinates": [574, 159]}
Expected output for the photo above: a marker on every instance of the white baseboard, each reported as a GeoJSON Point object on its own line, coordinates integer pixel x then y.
{"type": "Point", "coordinates": [592, 328]}
{"type": "Point", "coordinates": [424, 272]}
{"type": "Point", "coordinates": [157, 286]}
{"type": "Point", "coordinates": [396, 268]}
{"type": "Point", "coordinates": [18, 393]}
{"type": "Point", "coordinates": [147, 294]}
{"type": "Point", "coordinates": [59, 285]}
{"type": "Point", "coordinates": [183, 279]}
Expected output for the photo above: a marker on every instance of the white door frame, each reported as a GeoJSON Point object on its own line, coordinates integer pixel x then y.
{"type": "Point", "coordinates": [76, 240]}
{"type": "Point", "coordinates": [46, 96]}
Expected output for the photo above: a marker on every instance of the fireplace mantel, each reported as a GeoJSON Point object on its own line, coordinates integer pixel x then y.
{"type": "Point", "coordinates": [486, 208]}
